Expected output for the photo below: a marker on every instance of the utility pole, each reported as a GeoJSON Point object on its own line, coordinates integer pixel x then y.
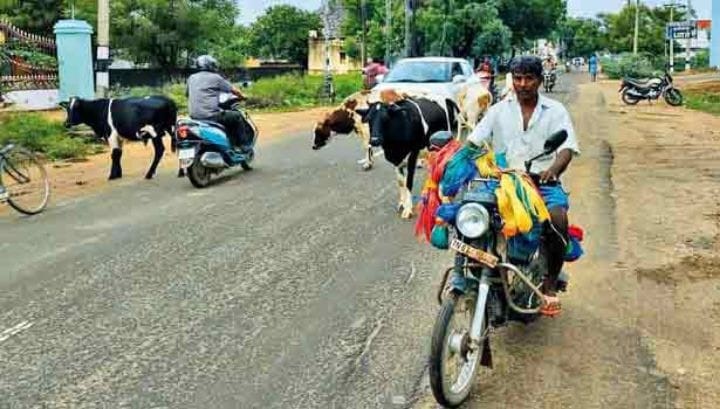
{"type": "Point", "coordinates": [388, 30]}
{"type": "Point", "coordinates": [328, 88]}
{"type": "Point", "coordinates": [689, 39]}
{"type": "Point", "coordinates": [408, 35]}
{"type": "Point", "coordinates": [715, 35]}
{"type": "Point", "coordinates": [363, 19]}
{"type": "Point", "coordinates": [102, 77]}
{"type": "Point", "coordinates": [637, 27]}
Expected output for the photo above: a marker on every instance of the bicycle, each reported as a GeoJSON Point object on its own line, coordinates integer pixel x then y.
{"type": "Point", "coordinates": [21, 173]}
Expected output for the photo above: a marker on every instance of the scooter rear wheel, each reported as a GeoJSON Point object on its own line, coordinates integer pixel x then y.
{"type": "Point", "coordinates": [199, 175]}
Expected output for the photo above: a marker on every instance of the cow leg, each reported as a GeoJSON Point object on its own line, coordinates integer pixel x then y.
{"type": "Point", "coordinates": [116, 149]}
{"type": "Point", "coordinates": [401, 180]}
{"type": "Point", "coordinates": [408, 186]}
{"type": "Point", "coordinates": [159, 151]}
{"type": "Point", "coordinates": [369, 160]}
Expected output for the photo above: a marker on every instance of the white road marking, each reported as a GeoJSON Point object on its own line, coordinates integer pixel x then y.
{"type": "Point", "coordinates": [15, 330]}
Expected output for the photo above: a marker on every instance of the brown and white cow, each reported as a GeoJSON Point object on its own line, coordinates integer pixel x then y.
{"type": "Point", "coordinates": [344, 120]}
{"type": "Point", "coordinates": [474, 101]}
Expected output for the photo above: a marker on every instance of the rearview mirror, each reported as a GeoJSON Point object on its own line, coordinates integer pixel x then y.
{"type": "Point", "coordinates": [555, 141]}
{"type": "Point", "coordinates": [379, 78]}
{"type": "Point", "coordinates": [458, 79]}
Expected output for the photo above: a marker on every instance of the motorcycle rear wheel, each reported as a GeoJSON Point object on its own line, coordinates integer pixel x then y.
{"type": "Point", "coordinates": [199, 175]}
{"type": "Point", "coordinates": [629, 99]}
{"type": "Point", "coordinates": [673, 97]}
{"type": "Point", "coordinates": [449, 387]}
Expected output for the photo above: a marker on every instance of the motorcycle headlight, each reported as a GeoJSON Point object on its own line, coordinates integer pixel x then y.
{"type": "Point", "coordinates": [473, 220]}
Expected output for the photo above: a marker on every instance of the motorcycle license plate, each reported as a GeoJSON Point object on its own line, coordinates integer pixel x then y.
{"type": "Point", "coordinates": [186, 157]}
{"type": "Point", "coordinates": [475, 254]}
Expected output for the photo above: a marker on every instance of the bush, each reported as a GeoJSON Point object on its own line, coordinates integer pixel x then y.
{"type": "Point", "coordinates": [701, 60]}
{"type": "Point", "coordinates": [284, 92]}
{"type": "Point", "coordinates": [41, 135]}
{"type": "Point", "coordinates": [175, 91]}
{"type": "Point", "coordinates": [638, 66]}
{"type": "Point", "coordinates": [703, 101]}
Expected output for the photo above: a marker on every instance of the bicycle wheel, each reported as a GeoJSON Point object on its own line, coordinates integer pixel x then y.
{"type": "Point", "coordinates": [26, 181]}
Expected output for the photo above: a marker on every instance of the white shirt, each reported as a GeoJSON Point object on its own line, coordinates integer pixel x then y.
{"type": "Point", "coordinates": [502, 127]}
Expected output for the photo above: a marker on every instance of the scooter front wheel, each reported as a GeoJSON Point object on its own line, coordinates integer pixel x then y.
{"type": "Point", "coordinates": [199, 175]}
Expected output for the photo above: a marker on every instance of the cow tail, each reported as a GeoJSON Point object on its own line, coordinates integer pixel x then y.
{"type": "Point", "coordinates": [171, 126]}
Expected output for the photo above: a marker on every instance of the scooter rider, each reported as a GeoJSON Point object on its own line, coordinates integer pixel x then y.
{"type": "Point", "coordinates": [204, 89]}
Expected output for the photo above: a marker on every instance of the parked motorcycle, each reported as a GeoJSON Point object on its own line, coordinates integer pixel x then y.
{"type": "Point", "coordinates": [635, 90]}
{"type": "Point", "coordinates": [502, 283]}
{"type": "Point", "coordinates": [549, 80]}
{"type": "Point", "coordinates": [204, 149]}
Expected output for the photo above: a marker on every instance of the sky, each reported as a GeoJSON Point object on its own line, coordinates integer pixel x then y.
{"type": "Point", "coordinates": [251, 9]}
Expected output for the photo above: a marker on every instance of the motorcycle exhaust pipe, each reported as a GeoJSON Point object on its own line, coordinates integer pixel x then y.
{"type": "Point", "coordinates": [213, 160]}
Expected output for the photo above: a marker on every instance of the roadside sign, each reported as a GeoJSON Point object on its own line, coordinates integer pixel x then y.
{"type": "Point", "coordinates": [681, 30]}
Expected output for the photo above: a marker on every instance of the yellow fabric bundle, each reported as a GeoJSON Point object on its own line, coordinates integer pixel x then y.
{"type": "Point", "coordinates": [519, 203]}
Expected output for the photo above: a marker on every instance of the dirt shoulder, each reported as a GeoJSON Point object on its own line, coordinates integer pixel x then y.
{"type": "Point", "coordinates": [72, 179]}
{"type": "Point", "coordinates": [666, 168]}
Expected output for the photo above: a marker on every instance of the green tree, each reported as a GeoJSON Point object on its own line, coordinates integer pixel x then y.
{"type": "Point", "coordinates": [170, 33]}
{"type": "Point", "coordinates": [282, 33]}
{"type": "Point", "coordinates": [582, 36]}
{"type": "Point", "coordinates": [651, 33]}
{"type": "Point", "coordinates": [531, 19]}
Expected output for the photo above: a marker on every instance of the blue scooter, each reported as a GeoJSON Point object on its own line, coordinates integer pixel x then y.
{"type": "Point", "coordinates": [204, 149]}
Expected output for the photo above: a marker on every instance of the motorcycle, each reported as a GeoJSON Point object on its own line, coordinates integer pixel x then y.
{"type": "Point", "coordinates": [502, 279]}
{"type": "Point", "coordinates": [204, 149]}
{"type": "Point", "coordinates": [634, 90]}
{"type": "Point", "coordinates": [549, 79]}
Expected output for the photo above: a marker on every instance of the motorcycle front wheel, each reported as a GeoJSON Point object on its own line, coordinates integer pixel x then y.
{"type": "Point", "coordinates": [673, 97]}
{"type": "Point", "coordinates": [629, 99]}
{"type": "Point", "coordinates": [199, 175]}
{"type": "Point", "coordinates": [453, 364]}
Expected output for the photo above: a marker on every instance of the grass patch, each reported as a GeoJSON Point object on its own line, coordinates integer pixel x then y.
{"type": "Point", "coordinates": [34, 132]}
{"type": "Point", "coordinates": [703, 101]}
{"type": "Point", "coordinates": [282, 93]}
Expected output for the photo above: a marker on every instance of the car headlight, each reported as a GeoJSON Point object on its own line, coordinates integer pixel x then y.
{"type": "Point", "coordinates": [473, 220]}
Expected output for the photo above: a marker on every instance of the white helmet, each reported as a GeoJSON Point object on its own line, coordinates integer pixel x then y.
{"type": "Point", "coordinates": [207, 63]}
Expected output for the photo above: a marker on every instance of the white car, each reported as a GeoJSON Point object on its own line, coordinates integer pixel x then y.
{"type": "Point", "coordinates": [436, 76]}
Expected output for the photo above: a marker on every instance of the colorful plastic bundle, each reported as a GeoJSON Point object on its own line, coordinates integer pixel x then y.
{"type": "Point", "coordinates": [574, 249]}
{"type": "Point", "coordinates": [430, 200]}
{"type": "Point", "coordinates": [460, 170]}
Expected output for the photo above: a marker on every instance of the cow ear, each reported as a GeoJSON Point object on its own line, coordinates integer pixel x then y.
{"type": "Point", "coordinates": [64, 104]}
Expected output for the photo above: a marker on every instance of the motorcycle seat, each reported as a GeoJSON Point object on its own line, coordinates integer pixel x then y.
{"type": "Point", "coordinates": [644, 82]}
{"type": "Point", "coordinates": [213, 124]}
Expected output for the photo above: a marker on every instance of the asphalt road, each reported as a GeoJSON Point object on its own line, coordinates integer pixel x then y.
{"type": "Point", "coordinates": [293, 285]}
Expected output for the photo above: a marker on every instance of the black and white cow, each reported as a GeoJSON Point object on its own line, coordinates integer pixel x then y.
{"type": "Point", "coordinates": [130, 118]}
{"type": "Point", "coordinates": [403, 125]}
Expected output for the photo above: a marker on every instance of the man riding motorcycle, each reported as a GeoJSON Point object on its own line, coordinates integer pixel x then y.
{"type": "Point", "coordinates": [204, 89]}
{"type": "Point", "coordinates": [517, 129]}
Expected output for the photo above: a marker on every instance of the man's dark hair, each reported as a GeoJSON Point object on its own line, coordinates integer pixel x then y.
{"type": "Point", "coordinates": [527, 64]}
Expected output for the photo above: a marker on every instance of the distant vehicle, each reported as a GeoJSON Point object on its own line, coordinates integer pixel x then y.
{"type": "Point", "coordinates": [438, 76]}
{"type": "Point", "coordinates": [578, 61]}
